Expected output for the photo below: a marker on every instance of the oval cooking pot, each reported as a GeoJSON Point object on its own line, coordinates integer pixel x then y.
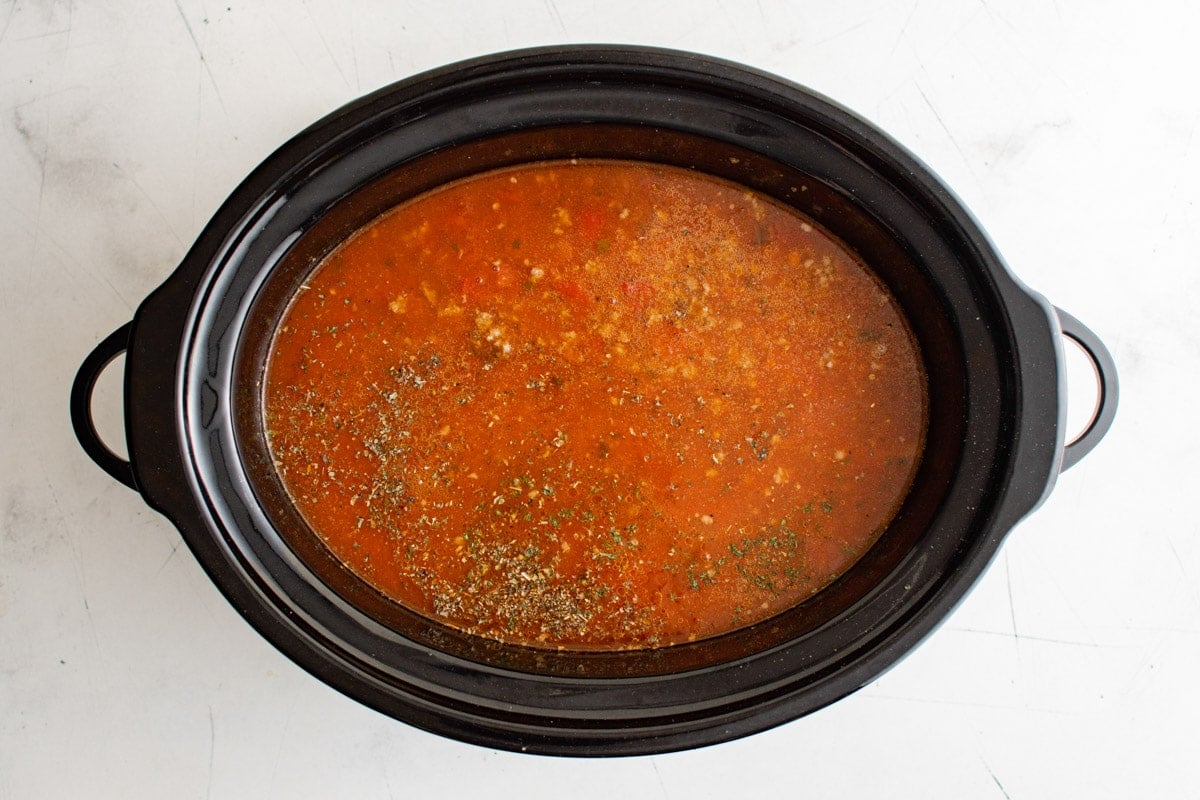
{"type": "Point", "coordinates": [197, 345]}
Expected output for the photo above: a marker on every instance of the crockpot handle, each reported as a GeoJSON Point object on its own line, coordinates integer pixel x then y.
{"type": "Point", "coordinates": [1106, 403]}
{"type": "Point", "coordinates": [81, 406]}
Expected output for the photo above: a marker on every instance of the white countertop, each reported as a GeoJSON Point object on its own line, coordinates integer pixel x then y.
{"type": "Point", "coordinates": [1067, 127]}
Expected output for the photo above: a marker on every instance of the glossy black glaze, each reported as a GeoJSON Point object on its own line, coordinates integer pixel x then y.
{"type": "Point", "coordinates": [1106, 400]}
{"type": "Point", "coordinates": [992, 349]}
{"type": "Point", "coordinates": [81, 406]}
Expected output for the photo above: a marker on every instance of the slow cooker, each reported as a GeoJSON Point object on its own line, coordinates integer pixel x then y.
{"type": "Point", "coordinates": [992, 350]}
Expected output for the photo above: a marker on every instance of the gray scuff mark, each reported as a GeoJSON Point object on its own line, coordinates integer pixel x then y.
{"type": "Point", "coordinates": [904, 28]}
{"type": "Point", "coordinates": [552, 7]}
{"type": "Point", "coordinates": [1012, 606]}
{"type": "Point", "coordinates": [841, 33]}
{"type": "Point", "coordinates": [76, 557]}
{"type": "Point", "coordinates": [12, 11]}
{"type": "Point", "coordinates": [153, 204]}
{"type": "Point", "coordinates": [200, 52]}
{"type": "Point", "coordinates": [1018, 141]}
{"type": "Point", "coordinates": [84, 170]}
{"type": "Point", "coordinates": [287, 724]}
{"type": "Point", "coordinates": [1042, 639]}
{"type": "Point", "coordinates": [167, 560]}
{"type": "Point", "coordinates": [995, 779]}
{"type": "Point", "coordinates": [662, 786]}
{"type": "Point", "coordinates": [1188, 583]}
{"type": "Point", "coordinates": [1170, 205]}
{"type": "Point", "coordinates": [325, 44]}
{"type": "Point", "coordinates": [935, 701]}
{"type": "Point", "coordinates": [212, 748]}
{"type": "Point", "coordinates": [949, 134]}
{"type": "Point", "coordinates": [70, 261]}
{"type": "Point", "coordinates": [991, 12]}
{"type": "Point", "coordinates": [39, 147]}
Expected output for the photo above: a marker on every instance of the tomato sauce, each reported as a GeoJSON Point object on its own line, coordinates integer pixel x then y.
{"type": "Point", "coordinates": [595, 405]}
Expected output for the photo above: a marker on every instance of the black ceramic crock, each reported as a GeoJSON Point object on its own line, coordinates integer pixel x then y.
{"type": "Point", "coordinates": [196, 347]}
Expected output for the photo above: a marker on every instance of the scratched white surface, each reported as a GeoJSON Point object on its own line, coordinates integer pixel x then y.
{"type": "Point", "coordinates": [1069, 129]}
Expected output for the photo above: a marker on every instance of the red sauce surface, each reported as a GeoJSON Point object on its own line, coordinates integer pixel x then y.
{"type": "Point", "coordinates": [595, 405]}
